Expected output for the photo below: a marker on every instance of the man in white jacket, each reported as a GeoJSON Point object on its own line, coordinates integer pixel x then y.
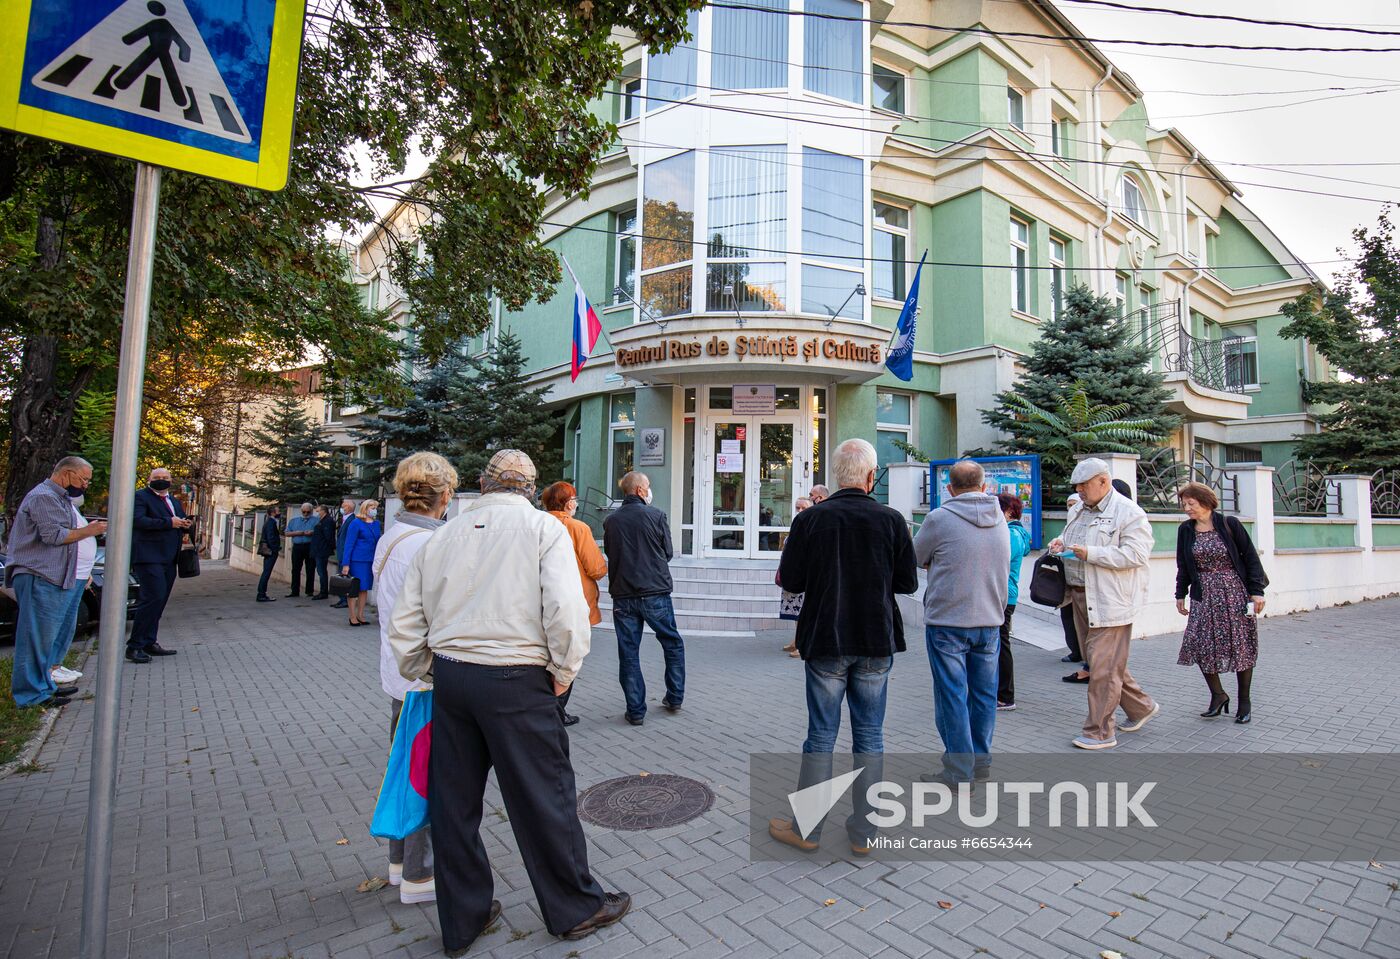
{"type": "Point", "coordinates": [493, 615]}
{"type": "Point", "coordinates": [1111, 540]}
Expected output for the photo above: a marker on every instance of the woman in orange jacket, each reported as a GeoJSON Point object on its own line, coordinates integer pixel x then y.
{"type": "Point", "coordinates": [561, 500]}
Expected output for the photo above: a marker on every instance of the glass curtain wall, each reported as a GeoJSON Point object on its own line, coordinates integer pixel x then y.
{"type": "Point", "coordinates": [750, 46]}
{"type": "Point", "coordinates": [668, 230]}
{"type": "Point", "coordinates": [671, 75]}
{"type": "Point", "coordinates": [747, 226]}
{"type": "Point", "coordinates": [832, 49]}
{"type": "Point", "coordinates": [833, 230]}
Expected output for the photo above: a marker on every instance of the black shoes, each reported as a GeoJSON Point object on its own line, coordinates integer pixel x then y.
{"type": "Point", "coordinates": [1243, 713]}
{"type": "Point", "coordinates": [1217, 706]}
{"type": "Point", "coordinates": [614, 907]}
{"type": "Point", "coordinates": [340, 605]}
{"type": "Point", "coordinates": [65, 692]}
{"type": "Point", "coordinates": [671, 707]}
{"type": "Point", "coordinates": [137, 656]}
{"type": "Point", "coordinates": [266, 599]}
{"type": "Point", "coordinates": [570, 720]}
{"type": "Point", "coordinates": [53, 702]}
{"type": "Point", "coordinates": [491, 918]}
{"type": "Point", "coordinates": [293, 595]}
{"type": "Point", "coordinates": [636, 720]}
{"type": "Point", "coordinates": [322, 596]}
{"type": "Point", "coordinates": [155, 649]}
{"type": "Point", "coordinates": [1074, 677]}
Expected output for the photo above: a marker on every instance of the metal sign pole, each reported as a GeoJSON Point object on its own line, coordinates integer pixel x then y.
{"type": "Point", "coordinates": [131, 374]}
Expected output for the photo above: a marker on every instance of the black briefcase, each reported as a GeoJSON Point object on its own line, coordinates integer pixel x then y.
{"type": "Point", "coordinates": [1048, 581]}
{"type": "Point", "coordinates": [187, 563]}
{"type": "Point", "coordinates": [346, 586]}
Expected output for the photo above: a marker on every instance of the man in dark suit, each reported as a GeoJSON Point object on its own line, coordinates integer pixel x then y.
{"type": "Point", "coordinates": [342, 521]}
{"type": "Point", "coordinates": [157, 528]}
{"type": "Point", "coordinates": [322, 545]}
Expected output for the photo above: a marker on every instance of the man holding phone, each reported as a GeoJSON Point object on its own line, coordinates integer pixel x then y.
{"type": "Point", "coordinates": [158, 526]}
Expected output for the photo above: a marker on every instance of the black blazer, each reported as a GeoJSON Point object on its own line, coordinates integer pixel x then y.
{"type": "Point", "coordinates": [272, 535]}
{"type": "Point", "coordinates": [323, 537]}
{"type": "Point", "coordinates": [849, 555]}
{"type": "Point", "coordinates": [153, 539]}
{"type": "Point", "coordinates": [1243, 556]}
{"type": "Point", "coordinates": [637, 539]}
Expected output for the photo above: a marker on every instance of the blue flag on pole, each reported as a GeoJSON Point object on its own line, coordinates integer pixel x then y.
{"type": "Point", "coordinates": [900, 359]}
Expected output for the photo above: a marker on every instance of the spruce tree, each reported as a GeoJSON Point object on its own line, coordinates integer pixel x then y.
{"type": "Point", "coordinates": [428, 420]}
{"type": "Point", "coordinates": [1357, 328]}
{"type": "Point", "coordinates": [1087, 346]}
{"type": "Point", "coordinates": [298, 464]}
{"type": "Point", "coordinates": [497, 409]}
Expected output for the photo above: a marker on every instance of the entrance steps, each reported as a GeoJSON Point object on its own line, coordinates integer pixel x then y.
{"type": "Point", "coordinates": [734, 598]}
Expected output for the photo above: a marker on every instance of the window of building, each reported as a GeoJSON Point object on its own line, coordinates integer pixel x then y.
{"type": "Point", "coordinates": [1133, 205]}
{"type": "Point", "coordinates": [1236, 455]}
{"type": "Point", "coordinates": [750, 46]}
{"type": "Point", "coordinates": [1193, 236]}
{"type": "Point", "coordinates": [625, 257]}
{"type": "Point", "coordinates": [833, 229]}
{"type": "Point", "coordinates": [832, 49]}
{"type": "Point", "coordinates": [818, 413]}
{"type": "Point", "coordinates": [631, 98]}
{"type": "Point", "coordinates": [1060, 138]}
{"type": "Point", "coordinates": [887, 89]}
{"type": "Point", "coordinates": [1120, 292]}
{"type": "Point", "coordinates": [889, 246]}
{"type": "Point", "coordinates": [747, 224]}
{"type": "Point", "coordinates": [372, 293]}
{"type": "Point", "coordinates": [1016, 109]}
{"type": "Point", "coordinates": [1242, 356]}
{"type": "Point", "coordinates": [1059, 274]}
{"type": "Point", "coordinates": [1020, 265]}
{"type": "Point", "coordinates": [894, 423]}
{"type": "Point", "coordinates": [622, 440]}
{"type": "Point", "coordinates": [671, 75]}
{"type": "Point", "coordinates": [668, 223]}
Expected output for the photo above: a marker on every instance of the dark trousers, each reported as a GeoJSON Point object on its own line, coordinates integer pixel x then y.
{"type": "Point", "coordinates": [157, 580]}
{"type": "Point", "coordinates": [1071, 634]}
{"type": "Point", "coordinates": [506, 718]}
{"type": "Point", "coordinates": [321, 562]}
{"type": "Point", "coordinates": [1006, 669]}
{"type": "Point", "coordinates": [268, 563]}
{"type": "Point", "coordinates": [301, 556]}
{"type": "Point", "coordinates": [629, 613]}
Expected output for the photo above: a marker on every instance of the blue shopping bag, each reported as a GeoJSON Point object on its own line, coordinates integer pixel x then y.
{"type": "Point", "coordinates": [403, 798]}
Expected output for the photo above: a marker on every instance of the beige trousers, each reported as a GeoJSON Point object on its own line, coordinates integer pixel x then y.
{"type": "Point", "coordinates": [1110, 684]}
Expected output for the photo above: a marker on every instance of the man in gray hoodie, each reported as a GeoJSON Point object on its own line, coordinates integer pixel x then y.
{"type": "Point", "coordinates": [965, 548]}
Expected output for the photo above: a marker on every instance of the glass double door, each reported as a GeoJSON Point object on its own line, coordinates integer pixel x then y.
{"type": "Point", "coordinates": [752, 484]}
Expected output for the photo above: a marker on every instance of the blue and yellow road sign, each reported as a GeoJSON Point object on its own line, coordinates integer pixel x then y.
{"type": "Point", "coordinates": [206, 86]}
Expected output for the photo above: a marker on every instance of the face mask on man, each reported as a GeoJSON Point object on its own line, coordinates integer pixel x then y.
{"type": "Point", "coordinates": [160, 485]}
{"type": "Point", "coordinates": [306, 512]}
{"type": "Point", "coordinates": [646, 496]}
{"type": "Point", "coordinates": [77, 500]}
{"type": "Point", "coordinates": [74, 492]}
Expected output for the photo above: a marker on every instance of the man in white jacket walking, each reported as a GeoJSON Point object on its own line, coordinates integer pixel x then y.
{"type": "Point", "coordinates": [493, 615]}
{"type": "Point", "coordinates": [1111, 539]}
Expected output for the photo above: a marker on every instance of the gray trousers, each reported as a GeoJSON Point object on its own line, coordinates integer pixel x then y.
{"type": "Point", "coordinates": [416, 851]}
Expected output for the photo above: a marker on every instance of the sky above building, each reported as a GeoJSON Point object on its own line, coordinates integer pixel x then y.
{"type": "Point", "coordinates": [1304, 121]}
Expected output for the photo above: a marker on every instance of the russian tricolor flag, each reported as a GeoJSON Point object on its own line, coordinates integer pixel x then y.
{"type": "Point", "coordinates": [586, 326]}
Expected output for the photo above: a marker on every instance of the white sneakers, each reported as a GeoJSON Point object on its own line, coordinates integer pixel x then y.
{"type": "Point", "coordinates": [62, 674]}
{"type": "Point", "coordinates": [1137, 724]}
{"type": "Point", "coordinates": [1084, 742]}
{"type": "Point", "coordinates": [411, 892]}
{"type": "Point", "coordinates": [395, 873]}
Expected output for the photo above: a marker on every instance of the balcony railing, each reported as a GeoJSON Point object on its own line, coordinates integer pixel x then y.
{"type": "Point", "coordinates": [1213, 364]}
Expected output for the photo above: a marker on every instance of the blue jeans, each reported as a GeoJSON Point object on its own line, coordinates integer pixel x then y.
{"type": "Point", "coordinates": [628, 615]}
{"type": "Point", "coordinates": [45, 612]}
{"type": "Point", "coordinates": [269, 563]}
{"type": "Point", "coordinates": [964, 662]}
{"type": "Point", "coordinates": [68, 629]}
{"type": "Point", "coordinates": [862, 681]}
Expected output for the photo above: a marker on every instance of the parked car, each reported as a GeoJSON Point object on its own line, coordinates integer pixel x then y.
{"type": "Point", "coordinates": [88, 613]}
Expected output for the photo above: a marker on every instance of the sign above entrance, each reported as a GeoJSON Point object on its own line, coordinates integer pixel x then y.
{"type": "Point", "coordinates": [755, 398]}
{"type": "Point", "coordinates": [198, 85]}
{"type": "Point", "coordinates": [678, 353]}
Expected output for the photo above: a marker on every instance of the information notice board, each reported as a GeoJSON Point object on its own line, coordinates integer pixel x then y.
{"type": "Point", "coordinates": [1018, 475]}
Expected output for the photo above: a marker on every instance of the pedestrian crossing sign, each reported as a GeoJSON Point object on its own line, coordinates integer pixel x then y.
{"type": "Point", "coordinates": [205, 86]}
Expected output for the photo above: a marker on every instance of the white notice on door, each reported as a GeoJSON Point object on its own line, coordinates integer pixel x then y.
{"type": "Point", "coordinates": [729, 463]}
{"type": "Point", "coordinates": [729, 447]}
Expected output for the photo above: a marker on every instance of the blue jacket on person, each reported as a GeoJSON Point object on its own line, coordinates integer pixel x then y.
{"type": "Point", "coordinates": [360, 540]}
{"type": "Point", "coordinates": [153, 539]}
{"type": "Point", "coordinates": [1020, 545]}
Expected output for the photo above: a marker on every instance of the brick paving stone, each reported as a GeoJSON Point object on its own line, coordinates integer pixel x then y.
{"type": "Point", "coordinates": [244, 759]}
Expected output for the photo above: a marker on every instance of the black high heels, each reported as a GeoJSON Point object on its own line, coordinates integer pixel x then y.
{"type": "Point", "coordinates": [1218, 706]}
{"type": "Point", "coordinates": [1243, 714]}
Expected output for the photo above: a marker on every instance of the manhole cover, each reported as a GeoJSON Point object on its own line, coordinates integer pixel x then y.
{"type": "Point", "coordinates": [644, 802]}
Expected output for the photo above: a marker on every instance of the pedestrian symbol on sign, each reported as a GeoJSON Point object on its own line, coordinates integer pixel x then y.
{"type": "Point", "coordinates": [134, 43]}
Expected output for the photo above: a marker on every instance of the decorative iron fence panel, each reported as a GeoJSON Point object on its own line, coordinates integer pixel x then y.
{"type": "Point", "coordinates": [1214, 364]}
{"type": "Point", "coordinates": [1385, 493]}
{"type": "Point", "coordinates": [1161, 476]}
{"type": "Point", "coordinates": [1302, 489]}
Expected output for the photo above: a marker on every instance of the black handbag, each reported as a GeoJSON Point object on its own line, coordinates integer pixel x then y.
{"type": "Point", "coordinates": [346, 586]}
{"type": "Point", "coordinates": [187, 563]}
{"type": "Point", "coordinates": [1048, 581]}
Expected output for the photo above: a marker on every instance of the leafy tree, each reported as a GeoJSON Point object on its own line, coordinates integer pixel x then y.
{"type": "Point", "coordinates": [298, 464]}
{"type": "Point", "coordinates": [500, 93]}
{"type": "Point", "coordinates": [497, 409]}
{"type": "Point", "coordinates": [1357, 328]}
{"type": "Point", "coordinates": [1087, 348]}
{"type": "Point", "coordinates": [427, 420]}
{"type": "Point", "coordinates": [1077, 425]}
{"type": "Point", "coordinates": [93, 425]}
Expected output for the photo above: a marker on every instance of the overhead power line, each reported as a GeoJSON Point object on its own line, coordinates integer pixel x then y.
{"type": "Point", "coordinates": [1232, 18]}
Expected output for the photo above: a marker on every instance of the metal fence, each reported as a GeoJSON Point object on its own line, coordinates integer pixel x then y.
{"type": "Point", "coordinates": [245, 530]}
{"type": "Point", "coordinates": [1214, 364]}
{"type": "Point", "coordinates": [1385, 493]}
{"type": "Point", "coordinates": [1301, 488]}
{"type": "Point", "coordinates": [1160, 477]}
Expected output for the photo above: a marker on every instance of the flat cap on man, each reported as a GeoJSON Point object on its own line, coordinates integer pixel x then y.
{"type": "Point", "coordinates": [1086, 470]}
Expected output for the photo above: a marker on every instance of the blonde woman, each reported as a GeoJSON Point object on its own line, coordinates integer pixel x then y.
{"type": "Point", "coordinates": [425, 482]}
{"type": "Point", "coordinates": [357, 558]}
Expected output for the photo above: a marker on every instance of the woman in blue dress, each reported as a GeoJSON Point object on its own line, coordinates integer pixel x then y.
{"type": "Point", "coordinates": [357, 558]}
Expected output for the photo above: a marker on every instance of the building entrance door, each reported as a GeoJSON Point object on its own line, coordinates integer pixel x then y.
{"type": "Point", "coordinates": [753, 481]}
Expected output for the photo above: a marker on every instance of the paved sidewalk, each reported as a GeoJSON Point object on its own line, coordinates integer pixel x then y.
{"type": "Point", "coordinates": [249, 757]}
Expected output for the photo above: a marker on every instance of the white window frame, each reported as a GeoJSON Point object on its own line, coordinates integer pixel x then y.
{"type": "Point", "coordinates": [632, 99]}
{"type": "Point", "coordinates": [1120, 292]}
{"type": "Point", "coordinates": [621, 240]}
{"type": "Point", "coordinates": [613, 493]}
{"type": "Point", "coordinates": [904, 231]}
{"type": "Point", "coordinates": [1020, 266]}
{"type": "Point", "coordinates": [903, 78]}
{"type": "Point", "coordinates": [1257, 460]}
{"type": "Point", "coordinates": [1241, 342]}
{"type": "Point", "coordinates": [1015, 109]}
{"type": "Point", "coordinates": [907, 429]}
{"type": "Point", "coordinates": [1059, 137]}
{"type": "Point", "coordinates": [1059, 274]}
{"type": "Point", "coordinates": [1136, 213]}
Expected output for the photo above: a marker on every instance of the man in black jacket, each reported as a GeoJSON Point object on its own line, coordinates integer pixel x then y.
{"type": "Point", "coordinates": [158, 525]}
{"type": "Point", "coordinates": [322, 546]}
{"type": "Point", "coordinates": [637, 539]}
{"type": "Point", "coordinates": [849, 557]}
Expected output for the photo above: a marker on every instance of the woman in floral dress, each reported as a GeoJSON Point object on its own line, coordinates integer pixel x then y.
{"type": "Point", "coordinates": [1217, 564]}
